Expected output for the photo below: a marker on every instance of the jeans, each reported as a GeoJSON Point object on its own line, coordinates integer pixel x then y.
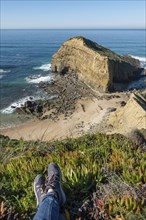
{"type": "Point", "coordinates": [49, 208]}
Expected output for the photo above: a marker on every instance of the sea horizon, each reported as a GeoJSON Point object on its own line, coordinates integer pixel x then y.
{"type": "Point", "coordinates": [73, 29]}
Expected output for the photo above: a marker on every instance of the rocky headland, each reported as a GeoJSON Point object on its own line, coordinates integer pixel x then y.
{"type": "Point", "coordinates": [97, 66]}
{"type": "Point", "coordinates": [86, 99]}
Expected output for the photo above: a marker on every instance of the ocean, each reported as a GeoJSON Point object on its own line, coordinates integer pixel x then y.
{"type": "Point", "coordinates": [25, 59]}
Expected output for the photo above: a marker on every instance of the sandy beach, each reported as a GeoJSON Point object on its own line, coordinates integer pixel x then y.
{"type": "Point", "coordinates": [88, 116]}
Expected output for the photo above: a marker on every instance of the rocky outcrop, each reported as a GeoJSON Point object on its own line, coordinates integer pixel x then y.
{"type": "Point", "coordinates": [32, 108]}
{"type": "Point", "coordinates": [97, 66]}
{"type": "Point", "coordinates": [131, 116]}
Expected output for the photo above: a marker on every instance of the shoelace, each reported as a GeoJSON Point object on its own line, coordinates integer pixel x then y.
{"type": "Point", "coordinates": [52, 181]}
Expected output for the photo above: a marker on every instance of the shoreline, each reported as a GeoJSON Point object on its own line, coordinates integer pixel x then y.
{"type": "Point", "coordinates": [12, 120]}
{"type": "Point", "coordinates": [87, 117]}
{"type": "Point", "coordinates": [75, 110]}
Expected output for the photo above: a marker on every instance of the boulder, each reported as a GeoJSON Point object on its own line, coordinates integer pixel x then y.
{"type": "Point", "coordinates": [28, 104]}
{"type": "Point", "coordinates": [97, 66]}
{"type": "Point", "coordinates": [39, 109]}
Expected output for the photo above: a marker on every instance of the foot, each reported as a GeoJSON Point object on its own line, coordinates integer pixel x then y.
{"type": "Point", "coordinates": [39, 188]}
{"type": "Point", "coordinates": [55, 182]}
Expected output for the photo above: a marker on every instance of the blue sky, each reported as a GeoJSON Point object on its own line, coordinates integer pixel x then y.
{"type": "Point", "coordinates": [73, 14]}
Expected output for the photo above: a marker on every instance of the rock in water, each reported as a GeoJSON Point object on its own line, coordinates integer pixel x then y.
{"type": "Point", "coordinates": [97, 66]}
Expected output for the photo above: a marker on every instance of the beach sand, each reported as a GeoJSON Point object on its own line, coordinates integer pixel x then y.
{"type": "Point", "coordinates": [89, 115]}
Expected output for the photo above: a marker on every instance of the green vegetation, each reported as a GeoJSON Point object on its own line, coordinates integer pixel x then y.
{"type": "Point", "coordinates": [111, 165]}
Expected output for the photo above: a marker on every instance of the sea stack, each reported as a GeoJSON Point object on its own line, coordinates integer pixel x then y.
{"type": "Point", "coordinates": [97, 66]}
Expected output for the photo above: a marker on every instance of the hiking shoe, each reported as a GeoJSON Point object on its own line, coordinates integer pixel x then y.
{"type": "Point", "coordinates": [55, 182]}
{"type": "Point", "coordinates": [39, 188]}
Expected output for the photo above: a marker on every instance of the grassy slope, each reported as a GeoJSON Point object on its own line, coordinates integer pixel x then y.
{"type": "Point", "coordinates": [86, 164]}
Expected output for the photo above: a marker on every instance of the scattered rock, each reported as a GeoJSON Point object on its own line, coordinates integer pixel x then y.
{"type": "Point", "coordinates": [122, 103]}
{"type": "Point", "coordinates": [111, 109]}
{"type": "Point", "coordinates": [66, 89]}
{"type": "Point", "coordinates": [31, 107]}
{"type": "Point", "coordinates": [83, 107]}
{"type": "Point", "coordinates": [12, 106]}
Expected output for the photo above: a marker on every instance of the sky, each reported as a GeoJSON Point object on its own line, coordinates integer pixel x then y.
{"type": "Point", "coordinates": [45, 14]}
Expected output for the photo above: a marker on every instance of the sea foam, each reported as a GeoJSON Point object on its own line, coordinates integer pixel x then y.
{"type": "Point", "coordinates": [141, 83]}
{"type": "Point", "coordinates": [11, 108]}
{"type": "Point", "coordinates": [141, 59]}
{"type": "Point", "coordinates": [44, 67]}
{"type": "Point", "coordinates": [37, 79]}
{"type": "Point", "coordinates": [20, 103]}
{"type": "Point", "coordinates": [4, 71]}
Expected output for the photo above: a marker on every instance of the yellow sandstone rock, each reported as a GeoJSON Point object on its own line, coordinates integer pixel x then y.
{"type": "Point", "coordinates": [97, 66]}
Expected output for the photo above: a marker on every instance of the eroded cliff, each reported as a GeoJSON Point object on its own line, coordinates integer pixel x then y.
{"type": "Point", "coordinates": [131, 116]}
{"type": "Point", "coordinates": [97, 66]}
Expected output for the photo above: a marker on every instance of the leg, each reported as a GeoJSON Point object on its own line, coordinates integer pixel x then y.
{"type": "Point", "coordinates": [50, 199]}
{"type": "Point", "coordinates": [61, 217]}
{"type": "Point", "coordinates": [49, 208]}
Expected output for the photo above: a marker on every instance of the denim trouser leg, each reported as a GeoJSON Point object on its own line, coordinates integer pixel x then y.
{"type": "Point", "coordinates": [61, 217]}
{"type": "Point", "coordinates": [49, 208]}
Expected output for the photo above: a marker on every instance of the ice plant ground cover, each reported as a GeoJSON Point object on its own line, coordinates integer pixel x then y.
{"type": "Point", "coordinates": [104, 177]}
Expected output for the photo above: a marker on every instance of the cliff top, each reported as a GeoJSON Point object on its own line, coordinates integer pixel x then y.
{"type": "Point", "coordinates": [82, 41]}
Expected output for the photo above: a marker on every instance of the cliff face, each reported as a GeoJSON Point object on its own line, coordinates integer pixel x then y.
{"type": "Point", "coordinates": [131, 116]}
{"type": "Point", "coordinates": [97, 66]}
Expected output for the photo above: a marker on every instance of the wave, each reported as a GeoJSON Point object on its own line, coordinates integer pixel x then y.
{"type": "Point", "coordinates": [4, 71]}
{"type": "Point", "coordinates": [11, 108]}
{"type": "Point", "coordinates": [37, 79]}
{"type": "Point", "coordinates": [44, 67]}
{"type": "Point", "coordinates": [141, 59]}
{"type": "Point", "coordinates": [20, 103]}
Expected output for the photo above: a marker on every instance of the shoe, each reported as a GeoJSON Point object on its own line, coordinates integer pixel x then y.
{"type": "Point", "coordinates": [55, 182]}
{"type": "Point", "coordinates": [39, 188]}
